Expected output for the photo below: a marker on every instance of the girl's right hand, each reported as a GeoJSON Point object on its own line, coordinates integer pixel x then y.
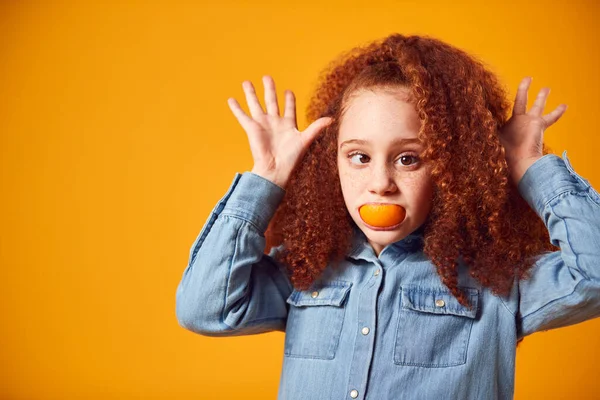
{"type": "Point", "coordinates": [275, 142]}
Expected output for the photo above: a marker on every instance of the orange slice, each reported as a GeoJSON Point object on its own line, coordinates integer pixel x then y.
{"type": "Point", "coordinates": [382, 215]}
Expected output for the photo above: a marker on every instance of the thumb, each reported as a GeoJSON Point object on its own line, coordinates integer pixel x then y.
{"type": "Point", "coordinates": [316, 127]}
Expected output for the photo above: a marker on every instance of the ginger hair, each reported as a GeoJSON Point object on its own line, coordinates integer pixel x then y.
{"type": "Point", "coordinates": [477, 211]}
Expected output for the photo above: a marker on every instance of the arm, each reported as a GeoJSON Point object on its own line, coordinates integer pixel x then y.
{"type": "Point", "coordinates": [564, 288]}
{"type": "Point", "coordinates": [230, 287]}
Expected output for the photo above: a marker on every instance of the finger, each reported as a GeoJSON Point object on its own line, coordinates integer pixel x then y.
{"type": "Point", "coordinates": [241, 116]}
{"type": "Point", "coordinates": [315, 128]}
{"type": "Point", "coordinates": [521, 98]}
{"type": "Point", "coordinates": [540, 102]}
{"type": "Point", "coordinates": [553, 116]}
{"type": "Point", "coordinates": [270, 96]}
{"type": "Point", "coordinates": [253, 104]}
{"type": "Point", "coordinates": [290, 107]}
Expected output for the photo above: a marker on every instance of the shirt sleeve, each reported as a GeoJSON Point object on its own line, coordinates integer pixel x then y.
{"type": "Point", "coordinates": [564, 287]}
{"type": "Point", "coordinates": [230, 287]}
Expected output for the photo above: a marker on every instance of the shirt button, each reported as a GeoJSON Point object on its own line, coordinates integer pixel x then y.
{"type": "Point", "coordinates": [365, 330]}
{"type": "Point", "coordinates": [314, 294]}
{"type": "Point", "coordinates": [440, 303]}
{"type": "Point", "coordinates": [354, 393]}
{"type": "Point", "coordinates": [376, 272]}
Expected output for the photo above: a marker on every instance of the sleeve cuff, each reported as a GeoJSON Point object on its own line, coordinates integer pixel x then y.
{"type": "Point", "coordinates": [548, 177]}
{"type": "Point", "coordinates": [254, 199]}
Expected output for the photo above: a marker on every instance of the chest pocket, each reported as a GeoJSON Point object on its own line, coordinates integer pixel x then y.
{"type": "Point", "coordinates": [315, 320]}
{"type": "Point", "coordinates": [433, 327]}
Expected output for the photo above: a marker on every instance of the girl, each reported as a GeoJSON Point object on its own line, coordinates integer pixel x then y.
{"type": "Point", "coordinates": [485, 236]}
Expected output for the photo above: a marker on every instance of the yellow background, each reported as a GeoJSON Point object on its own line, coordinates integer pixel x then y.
{"type": "Point", "coordinates": [117, 141]}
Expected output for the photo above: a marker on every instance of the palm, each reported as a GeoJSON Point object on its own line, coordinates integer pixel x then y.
{"type": "Point", "coordinates": [522, 135]}
{"type": "Point", "coordinates": [275, 141]}
{"type": "Point", "coordinates": [272, 136]}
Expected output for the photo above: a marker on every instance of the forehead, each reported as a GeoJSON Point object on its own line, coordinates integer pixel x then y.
{"type": "Point", "coordinates": [399, 93]}
{"type": "Point", "coordinates": [379, 115]}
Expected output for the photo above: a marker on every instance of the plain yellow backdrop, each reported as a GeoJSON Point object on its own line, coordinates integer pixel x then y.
{"type": "Point", "coordinates": [117, 141]}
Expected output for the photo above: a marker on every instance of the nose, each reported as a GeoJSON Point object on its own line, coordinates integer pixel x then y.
{"type": "Point", "coordinates": [382, 181]}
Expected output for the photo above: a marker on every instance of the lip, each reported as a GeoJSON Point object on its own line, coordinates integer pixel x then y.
{"type": "Point", "coordinates": [379, 203]}
{"type": "Point", "coordinates": [383, 228]}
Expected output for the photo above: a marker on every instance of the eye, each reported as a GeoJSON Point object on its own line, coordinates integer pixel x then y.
{"type": "Point", "coordinates": [359, 154]}
{"type": "Point", "coordinates": [409, 156]}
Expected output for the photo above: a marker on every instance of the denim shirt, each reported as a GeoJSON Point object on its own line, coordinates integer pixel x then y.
{"type": "Point", "coordinates": [386, 327]}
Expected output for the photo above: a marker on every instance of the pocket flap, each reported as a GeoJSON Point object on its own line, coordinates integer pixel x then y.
{"type": "Point", "coordinates": [439, 300]}
{"type": "Point", "coordinates": [332, 293]}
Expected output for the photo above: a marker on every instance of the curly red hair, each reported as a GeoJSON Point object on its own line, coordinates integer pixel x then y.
{"type": "Point", "coordinates": [477, 212]}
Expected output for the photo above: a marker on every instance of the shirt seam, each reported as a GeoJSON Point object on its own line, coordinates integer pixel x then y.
{"type": "Point", "coordinates": [256, 321]}
{"type": "Point", "coordinates": [571, 247]}
{"type": "Point", "coordinates": [555, 300]}
{"type": "Point", "coordinates": [212, 217]}
{"type": "Point", "coordinates": [247, 323]}
{"type": "Point", "coordinates": [237, 234]}
{"type": "Point", "coordinates": [239, 217]}
{"type": "Point", "coordinates": [563, 191]}
{"type": "Point", "coordinates": [576, 263]}
{"type": "Point", "coordinates": [506, 306]}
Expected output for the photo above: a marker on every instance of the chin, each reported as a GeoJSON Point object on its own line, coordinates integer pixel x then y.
{"type": "Point", "coordinates": [384, 237]}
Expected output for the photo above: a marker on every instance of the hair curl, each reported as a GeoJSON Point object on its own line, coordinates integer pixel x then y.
{"type": "Point", "coordinates": [477, 212]}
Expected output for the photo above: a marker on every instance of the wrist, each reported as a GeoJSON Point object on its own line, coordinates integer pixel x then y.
{"type": "Point", "coordinates": [270, 176]}
{"type": "Point", "coordinates": [518, 169]}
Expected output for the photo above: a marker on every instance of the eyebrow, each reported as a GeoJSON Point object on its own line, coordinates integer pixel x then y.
{"type": "Point", "coordinates": [366, 142]}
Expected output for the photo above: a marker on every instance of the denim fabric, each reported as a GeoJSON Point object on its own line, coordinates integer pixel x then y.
{"type": "Point", "coordinates": [386, 327]}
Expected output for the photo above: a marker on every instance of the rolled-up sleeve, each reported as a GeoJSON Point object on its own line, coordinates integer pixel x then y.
{"type": "Point", "coordinates": [230, 286]}
{"type": "Point", "coordinates": [564, 287]}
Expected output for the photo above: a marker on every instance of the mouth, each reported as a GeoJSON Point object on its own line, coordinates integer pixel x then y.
{"type": "Point", "coordinates": [383, 228]}
{"type": "Point", "coordinates": [375, 203]}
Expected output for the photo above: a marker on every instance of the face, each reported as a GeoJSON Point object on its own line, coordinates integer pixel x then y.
{"type": "Point", "coordinates": [378, 161]}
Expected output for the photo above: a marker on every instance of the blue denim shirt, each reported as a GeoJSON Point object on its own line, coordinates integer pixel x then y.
{"type": "Point", "coordinates": [386, 327]}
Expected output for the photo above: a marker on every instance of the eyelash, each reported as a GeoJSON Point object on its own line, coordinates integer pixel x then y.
{"type": "Point", "coordinates": [414, 156]}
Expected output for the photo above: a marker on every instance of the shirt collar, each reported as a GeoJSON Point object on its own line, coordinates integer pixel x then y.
{"type": "Point", "coordinates": [362, 249]}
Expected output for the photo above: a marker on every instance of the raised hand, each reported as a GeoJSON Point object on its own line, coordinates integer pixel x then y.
{"type": "Point", "coordinates": [522, 135]}
{"type": "Point", "coordinates": [275, 142]}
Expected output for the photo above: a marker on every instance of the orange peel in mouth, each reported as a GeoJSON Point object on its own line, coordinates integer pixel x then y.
{"type": "Point", "coordinates": [382, 215]}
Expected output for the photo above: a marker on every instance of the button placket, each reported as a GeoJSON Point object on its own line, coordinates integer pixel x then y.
{"type": "Point", "coordinates": [364, 347]}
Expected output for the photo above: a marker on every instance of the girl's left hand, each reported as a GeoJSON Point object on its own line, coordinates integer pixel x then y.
{"type": "Point", "coordinates": [522, 135]}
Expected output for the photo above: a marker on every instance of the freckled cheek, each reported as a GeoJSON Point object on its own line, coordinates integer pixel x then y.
{"type": "Point", "coordinates": [353, 181]}
{"type": "Point", "coordinates": [422, 191]}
